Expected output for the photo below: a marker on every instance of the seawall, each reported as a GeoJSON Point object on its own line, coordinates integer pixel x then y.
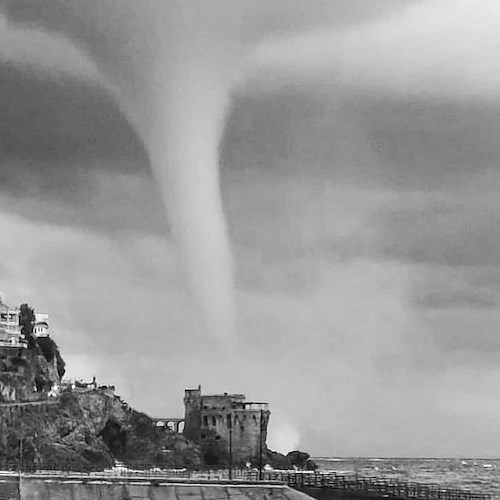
{"type": "Point", "coordinates": [330, 494]}
{"type": "Point", "coordinates": [67, 489]}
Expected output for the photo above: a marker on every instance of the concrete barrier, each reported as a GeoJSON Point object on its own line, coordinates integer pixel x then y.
{"type": "Point", "coordinates": [66, 489]}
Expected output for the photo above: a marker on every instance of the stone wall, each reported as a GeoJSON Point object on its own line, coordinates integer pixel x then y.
{"type": "Point", "coordinates": [248, 428]}
{"type": "Point", "coordinates": [249, 433]}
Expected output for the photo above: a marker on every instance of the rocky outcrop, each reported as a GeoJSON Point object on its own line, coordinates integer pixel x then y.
{"type": "Point", "coordinates": [135, 440]}
{"type": "Point", "coordinates": [48, 348]}
{"type": "Point", "coordinates": [301, 460]}
{"type": "Point", "coordinates": [293, 460]}
{"type": "Point", "coordinates": [27, 374]}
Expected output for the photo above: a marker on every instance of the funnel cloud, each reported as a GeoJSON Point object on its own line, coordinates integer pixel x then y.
{"type": "Point", "coordinates": [172, 67]}
{"type": "Point", "coordinates": [169, 65]}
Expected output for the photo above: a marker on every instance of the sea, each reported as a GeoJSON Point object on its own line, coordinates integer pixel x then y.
{"type": "Point", "coordinates": [479, 475]}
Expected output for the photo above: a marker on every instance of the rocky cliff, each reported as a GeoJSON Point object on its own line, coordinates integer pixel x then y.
{"type": "Point", "coordinates": [43, 425]}
{"type": "Point", "coordinates": [27, 373]}
{"type": "Point", "coordinates": [85, 430]}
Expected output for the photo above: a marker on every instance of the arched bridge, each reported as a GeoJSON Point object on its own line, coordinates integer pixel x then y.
{"type": "Point", "coordinates": [175, 424]}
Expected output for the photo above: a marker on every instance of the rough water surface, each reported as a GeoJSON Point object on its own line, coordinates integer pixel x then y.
{"type": "Point", "coordinates": [479, 475]}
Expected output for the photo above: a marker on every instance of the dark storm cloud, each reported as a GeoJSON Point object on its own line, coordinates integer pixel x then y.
{"type": "Point", "coordinates": [53, 134]}
{"type": "Point", "coordinates": [64, 123]}
{"type": "Point", "coordinates": [398, 143]}
{"type": "Point", "coordinates": [68, 156]}
{"type": "Point", "coordinates": [460, 299]}
{"type": "Point", "coordinates": [432, 144]}
{"type": "Point", "coordinates": [451, 233]}
{"type": "Point", "coordinates": [299, 150]}
{"type": "Point", "coordinates": [466, 336]}
{"type": "Point", "coordinates": [102, 201]}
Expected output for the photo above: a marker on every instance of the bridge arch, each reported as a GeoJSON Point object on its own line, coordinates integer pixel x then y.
{"type": "Point", "coordinates": [172, 423]}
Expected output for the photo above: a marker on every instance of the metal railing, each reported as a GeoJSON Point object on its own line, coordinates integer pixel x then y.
{"type": "Point", "coordinates": [365, 486]}
{"type": "Point", "coordinates": [375, 487]}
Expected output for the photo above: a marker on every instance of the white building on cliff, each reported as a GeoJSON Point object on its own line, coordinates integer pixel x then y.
{"type": "Point", "coordinates": [10, 331]}
{"type": "Point", "coordinates": [41, 328]}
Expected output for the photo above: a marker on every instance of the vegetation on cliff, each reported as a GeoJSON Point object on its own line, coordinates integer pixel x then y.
{"type": "Point", "coordinates": [41, 345]}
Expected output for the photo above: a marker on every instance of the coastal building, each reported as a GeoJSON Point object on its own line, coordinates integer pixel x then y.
{"type": "Point", "coordinates": [10, 331]}
{"type": "Point", "coordinates": [240, 426]}
{"type": "Point", "coordinates": [41, 327]}
{"type": "Point", "coordinates": [9, 319]}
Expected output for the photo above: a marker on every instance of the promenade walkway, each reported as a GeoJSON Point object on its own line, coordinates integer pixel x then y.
{"type": "Point", "coordinates": [317, 484]}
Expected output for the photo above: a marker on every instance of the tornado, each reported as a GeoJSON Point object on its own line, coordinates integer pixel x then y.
{"type": "Point", "coordinates": [173, 77]}
{"type": "Point", "coordinates": [169, 65]}
{"type": "Point", "coordinates": [182, 140]}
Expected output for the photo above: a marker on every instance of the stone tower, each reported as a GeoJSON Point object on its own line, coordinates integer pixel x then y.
{"type": "Point", "coordinates": [239, 427]}
{"type": "Point", "coordinates": [192, 419]}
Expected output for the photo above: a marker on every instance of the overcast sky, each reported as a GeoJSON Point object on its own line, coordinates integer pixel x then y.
{"type": "Point", "coordinates": [363, 212]}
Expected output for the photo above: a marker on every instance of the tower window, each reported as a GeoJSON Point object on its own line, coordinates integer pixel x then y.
{"type": "Point", "coordinates": [205, 420]}
{"type": "Point", "coordinates": [214, 420]}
